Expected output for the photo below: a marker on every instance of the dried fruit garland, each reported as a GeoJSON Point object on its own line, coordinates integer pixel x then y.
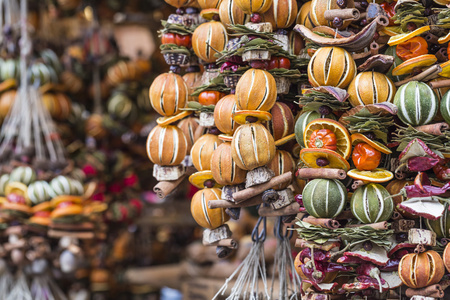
{"type": "Point", "coordinates": [377, 88]}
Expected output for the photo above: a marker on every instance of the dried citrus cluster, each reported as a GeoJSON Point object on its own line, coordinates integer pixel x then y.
{"type": "Point", "coordinates": [368, 140]}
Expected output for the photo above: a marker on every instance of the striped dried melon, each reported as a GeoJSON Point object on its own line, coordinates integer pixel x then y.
{"type": "Point", "coordinates": [416, 102]}
{"type": "Point", "coordinates": [371, 203]}
{"type": "Point", "coordinates": [324, 198]}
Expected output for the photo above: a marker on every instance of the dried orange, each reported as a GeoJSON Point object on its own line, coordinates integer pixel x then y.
{"type": "Point", "coordinates": [164, 121]}
{"type": "Point", "coordinates": [361, 138]}
{"type": "Point", "coordinates": [343, 142]}
{"type": "Point", "coordinates": [323, 158]}
{"type": "Point", "coordinates": [445, 69]}
{"type": "Point", "coordinates": [408, 66]}
{"type": "Point", "coordinates": [240, 116]}
{"type": "Point", "coordinates": [198, 179]}
{"type": "Point", "coordinates": [376, 175]}
{"type": "Point", "coordinates": [400, 38]}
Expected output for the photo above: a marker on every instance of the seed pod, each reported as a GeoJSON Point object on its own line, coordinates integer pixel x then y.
{"type": "Point", "coordinates": [254, 6]}
{"type": "Point", "coordinates": [208, 39]}
{"type": "Point", "coordinates": [421, 270]}
{"type": "Point", "coordinates": [224, 168]}
{"type": "Point", "coordinates": [280, 164]}
{"type": "Point", "coordinates": [256, 90]}
{"type": "Point", "coordinates": [282, 123]}
{"type": "Point", "coordinates": [168, 93]}
{"type": "Point", "coordinates": [252, 146]}
{"type": "Point", "coordinates": [166, 146]}
{"type": "Point", "coordinates": [205, 216]}
{"type": "Point", "coordinates": [331, 66]}
{"type": "Point", "coordinates": [202, 151]}
{"type": "Point", "coordinates": [223, 114]}
{"type": "Point", "coordinates": [231, 14]}
{"type": "Point", "coordinates": [189, 127]}
{"type": "Point", "coordinates": [371, 88]}
{"type": "Point", "coordinates": [281, 14]}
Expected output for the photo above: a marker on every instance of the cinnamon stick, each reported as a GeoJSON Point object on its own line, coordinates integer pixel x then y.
{"type": "Point", "coordinates": [419, 249]}
{"type": "Point", "coordinates": [434, 291]}
{"type": "Point", "coordinates": [431, 38]}
{"type": "Point", "coordinates": [229, 243]}
{"type": "Point", "coordinates": [374, 47]}
{"type": "Point", "coordinates": [444, 284]}
{"type": "Point", "coordinates": [434, 129]}
{"type": "Point", "coordinates": [164, 188]}
{"type": "Point", "coordinates": [327, 246]}
{"type": "Point", "coordinates": [260, 188]}
{"type": "Point", "coordinates": [422, 76]}
{"type": "Point", "coordinates": [312, 173]}
{"type": "Point", "coordinates": [377, 226]}
{"type": "Point", "coordinates": [322, 222]}
{"type": "Point", "coordinates": [439, 84]}
{"type": "Point", "coordinates": [227, 204]}
{"type": "Point", "coordinates": [396, 215]}
{"type": "Point", "coordinates": [344, 14]}
{"type": "Point", "coordinates": [357, 183]}
{"type": "Point", "coordinates": [291, 209]}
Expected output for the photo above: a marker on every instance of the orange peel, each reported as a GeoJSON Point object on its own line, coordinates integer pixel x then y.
{"type": "Point", "coordinates": [376, 175]}
{"type": "Point", "coordinates": [310, 155]}
{"type": "Point", "coordinates": [361, 138]}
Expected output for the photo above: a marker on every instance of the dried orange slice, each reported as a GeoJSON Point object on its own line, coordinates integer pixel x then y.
{"type": "Point", "coordinates": [323, 158]}
{"type": "Point", "coordinates": [164, 121]}
{"type": "Point", "coordinates": [19, 189]}
{"type": "Point", "coordinates": [408, 66]}
{"type": "Point", "coordinates": [225, 137]}
{"type": "Point", "coordinates": [400, 38]}
{"type": "Point", "coordinates": [199, 179]}
{"type": "Point", "coordinates": [8, 84]}
{"type": "Point", "coordinates": [343, 142]}
{"type": "Point", "coordinates": [361, 138]}
{"type": "Point", "coordinates": [392, 30]}
{"type": "Point", "coordinates": [445, 69]}
{"type": "Point", "coordinates": [241, 116]}
{"type": "Point", "coordinates": [376, 175]}
{"type": "Point", "coordinates": [208, 14]}
{"type": "Point", "coordinates": [444, 39]}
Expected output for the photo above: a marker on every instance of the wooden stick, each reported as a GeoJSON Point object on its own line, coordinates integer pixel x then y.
{"type": "Point", "coordinates": [322, 222]}
{"type": "Point", "coordinates": [312, 173]}
{"type": "Point", "coordinates": [291, 209]}
{"type": "Point", "coordinates": [430, 72]}
{"type": "Point", "coordinates": [260, 188]}
{"type": "Point", "coordinates": [434, 129]}
{"type": "Point", "coordinates": [439, 84]}
{"type": "Point", "coordinates": [164, 188]}
{"type": "Point", "coordinates": [378, 226]}
{"type": "Point", "coordinates": [227, 204]}
{"type": "Point", "coordinates": [344, 14]}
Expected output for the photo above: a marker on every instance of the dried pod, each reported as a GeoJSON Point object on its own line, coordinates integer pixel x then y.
{"type": "Point", "coordinates": [280, 164]}
{"type": "Point", "coordinates": [166, 146]}
{"type": "Point", "coordinates": [252, 146]}
{"type": "Point", "coordinates": [223, 114]}
{"type": "Point", "coordinates": [231, 14]}
{"type": "Point", "coordinates": [282, 123]}
{"type": "Point", "coordinates": [224, 168]}
{"type": "Point", "coordinates": [256, 90]}
{"type": "Point", "coordinates": [168, 93]}
{"type": "Point", "coordinates": [371, 88]}
{"type": "Point", "coordinates": [202, 151]}
{"type": "Point", "coordinates": [208, 39]}
{"type": "Point", "coordinates": [281, 14]}
{"type": "Point", "coordinates": [421, 270]}
{"type": "Point", "coordinates": [205, 216]}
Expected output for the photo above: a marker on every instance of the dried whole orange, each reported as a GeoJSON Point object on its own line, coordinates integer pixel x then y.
{"type": "Point", "coordinates": [412, 48]}
{"type": "Point", "coordinates": [365, 157]}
